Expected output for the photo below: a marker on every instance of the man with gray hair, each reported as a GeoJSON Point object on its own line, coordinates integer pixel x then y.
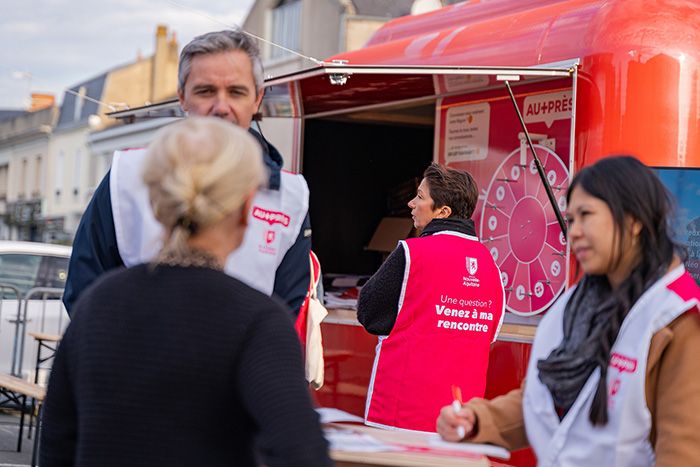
{"type": "Point", "coordinates": [220, 74]}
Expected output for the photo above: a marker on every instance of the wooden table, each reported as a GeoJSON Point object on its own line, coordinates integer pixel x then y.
{"type": "Point", "coordinates": [419, 455]}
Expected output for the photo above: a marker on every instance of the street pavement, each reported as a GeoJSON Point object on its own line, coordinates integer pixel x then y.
{"type": "Point", "coordinates": [9, 428]}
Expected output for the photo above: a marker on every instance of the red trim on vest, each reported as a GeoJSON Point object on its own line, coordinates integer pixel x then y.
{"type": "Point", "coordinates": [452, 307]}
{"type": "Point", "coordinates": [685, 287]}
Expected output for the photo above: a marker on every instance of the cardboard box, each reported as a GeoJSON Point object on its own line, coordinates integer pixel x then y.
{"type": "Point", "coordinates": [388, 233]}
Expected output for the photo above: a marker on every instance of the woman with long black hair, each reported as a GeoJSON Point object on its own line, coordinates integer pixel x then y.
{"type": "Point", "coordinates": [613, 374]}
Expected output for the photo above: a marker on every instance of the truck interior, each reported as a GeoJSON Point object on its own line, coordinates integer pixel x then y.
{"type": "Point", "coordinates": [362, 167]}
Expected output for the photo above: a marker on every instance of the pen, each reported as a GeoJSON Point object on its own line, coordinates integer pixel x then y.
{"type": "Point", "coordinates": [457, 406]}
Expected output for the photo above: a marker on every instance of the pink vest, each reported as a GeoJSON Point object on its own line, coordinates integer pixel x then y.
{"type": "Point", "coordinates": [450, 310]}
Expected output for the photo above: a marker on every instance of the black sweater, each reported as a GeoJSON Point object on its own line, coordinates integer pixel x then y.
{"type": "Point", "coordinates": [178, 366]}
{"type": "Point", "coordinates": [378, 303]}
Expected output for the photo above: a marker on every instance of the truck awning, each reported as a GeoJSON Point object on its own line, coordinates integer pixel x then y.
{"type": "Point", "coordinates": [336, 88]}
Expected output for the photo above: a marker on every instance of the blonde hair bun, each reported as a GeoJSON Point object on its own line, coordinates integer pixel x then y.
{"type": "Point", "coordinates": [197, 171]}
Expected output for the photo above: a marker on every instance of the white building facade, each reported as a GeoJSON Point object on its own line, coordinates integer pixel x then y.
{"type": "Point", "coordinates": [25, 145]}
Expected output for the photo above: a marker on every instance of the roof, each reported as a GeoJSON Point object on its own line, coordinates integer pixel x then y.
{"type": "Point", "coordinates": [34, 248]}
{"type": "Point", "coordinates": [27, 125]}
{"type": "Point", "coordinates": [383, 8]}
{"type": "Point", "coordinates": [93, 89]}
{"type": "Point", "coordinates": [8, 114]}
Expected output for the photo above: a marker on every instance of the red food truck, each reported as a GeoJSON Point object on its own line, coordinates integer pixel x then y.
{"type": "Point", "coordinates": [482, 86]}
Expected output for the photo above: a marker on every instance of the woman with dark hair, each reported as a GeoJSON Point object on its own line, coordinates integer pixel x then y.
{"type": "Point", "coordinates": [439, 291]}
{"type": "Point", "coordinates": [613, 374]}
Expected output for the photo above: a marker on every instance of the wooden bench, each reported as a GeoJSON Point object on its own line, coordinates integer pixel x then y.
{"type": "Point", "coordinates": [46, 343]}
{"type": "Point", "coordinates": [18, 390]}
{"type": "Point", "coordinates": [23, 387]}
{"type": "Point", "coordinates": [42, 336]}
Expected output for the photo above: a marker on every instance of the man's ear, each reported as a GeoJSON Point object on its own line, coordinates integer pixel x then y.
{"type": "Point", "coordinates": [259, 98]}
{"type": "Point", "coordinates": [181, 98]}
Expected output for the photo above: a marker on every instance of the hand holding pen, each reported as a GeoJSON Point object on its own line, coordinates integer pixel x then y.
{"type": "Point", "coordinates": [456, 421]}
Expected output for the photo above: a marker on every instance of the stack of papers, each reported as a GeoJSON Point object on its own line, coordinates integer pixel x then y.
{"type": "Point", "coordinates": [353, 438]}
{"type": "Point", "coordinates": [435, 441]}
{"type": "Point", "coordinates": [331, 415]}
{"type": "Point", "coordinates": [337, 300]}
{"type": "Point", "coordinates": [352, 441]}
{"type": "Point", "coordinates": [342, 290]}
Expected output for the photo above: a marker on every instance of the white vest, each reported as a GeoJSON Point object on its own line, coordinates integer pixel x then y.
{"type": "Point", "coordinates": [624, 441]}
{"type": "Point", "coordinates": [275, 220]}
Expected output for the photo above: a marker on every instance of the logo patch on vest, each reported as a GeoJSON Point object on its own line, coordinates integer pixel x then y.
{"type": "Point", "coordinates": [472, 265]}
{"type": "Point", "coordinates": [271, 217]}
{"type": "Point", "coordinates": [268, 243]}
{"type": "Point", "coordinates": [623, 363]}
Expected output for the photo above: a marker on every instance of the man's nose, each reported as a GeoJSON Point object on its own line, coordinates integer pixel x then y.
{"type": "Point", "coordinates": [221, 107]}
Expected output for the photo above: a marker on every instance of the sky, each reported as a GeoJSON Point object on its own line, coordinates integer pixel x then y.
{"type": "Point", "coordinates": [51, 45]}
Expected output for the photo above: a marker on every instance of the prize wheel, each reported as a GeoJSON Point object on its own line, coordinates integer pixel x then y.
{"type": "Point", "coordinates": [520, 228]}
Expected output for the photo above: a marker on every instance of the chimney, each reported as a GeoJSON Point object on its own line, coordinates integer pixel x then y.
{"type": "Point", "coordinates": [161, 32]}
{"type": "Point", "coordinates": [164, 74]}
{"type": "Point", "coordinates": [41, 101]}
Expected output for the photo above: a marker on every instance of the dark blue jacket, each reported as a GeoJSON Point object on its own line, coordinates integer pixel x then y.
{"type": "Point", "coordinates": [95, 246]}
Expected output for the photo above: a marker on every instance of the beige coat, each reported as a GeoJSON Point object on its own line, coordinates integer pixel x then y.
{"type": "Point", "coordinates": [672, 394]}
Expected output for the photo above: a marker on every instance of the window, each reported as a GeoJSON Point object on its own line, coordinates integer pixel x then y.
{"type": "Point", "coordinates": [76, 171]}
{"type": "Point", "coordinates": [23, 179]}
{"type": "Point", "coordinates": [20, 271]}
{"type": "Point", "coordinates": [93, 163]}
{"type": "Point", "coordinates": [37, 177]}
{"type": "Point", "coordinates": [53, 272]}
{"type": "Point", "coordinates": [79, 102]}
{"type": "Point", "coordinates": [58, 173]}
{"type": "Point", "coordinates": [26, 271]}
{"type": "Point", "coordinates": [286, 27]}
{"type": "Point", "coordinates": [3, 181]}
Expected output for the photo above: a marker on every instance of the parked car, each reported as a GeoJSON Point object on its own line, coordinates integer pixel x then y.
{"type": "Point", "coordinates": [32, 277]}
